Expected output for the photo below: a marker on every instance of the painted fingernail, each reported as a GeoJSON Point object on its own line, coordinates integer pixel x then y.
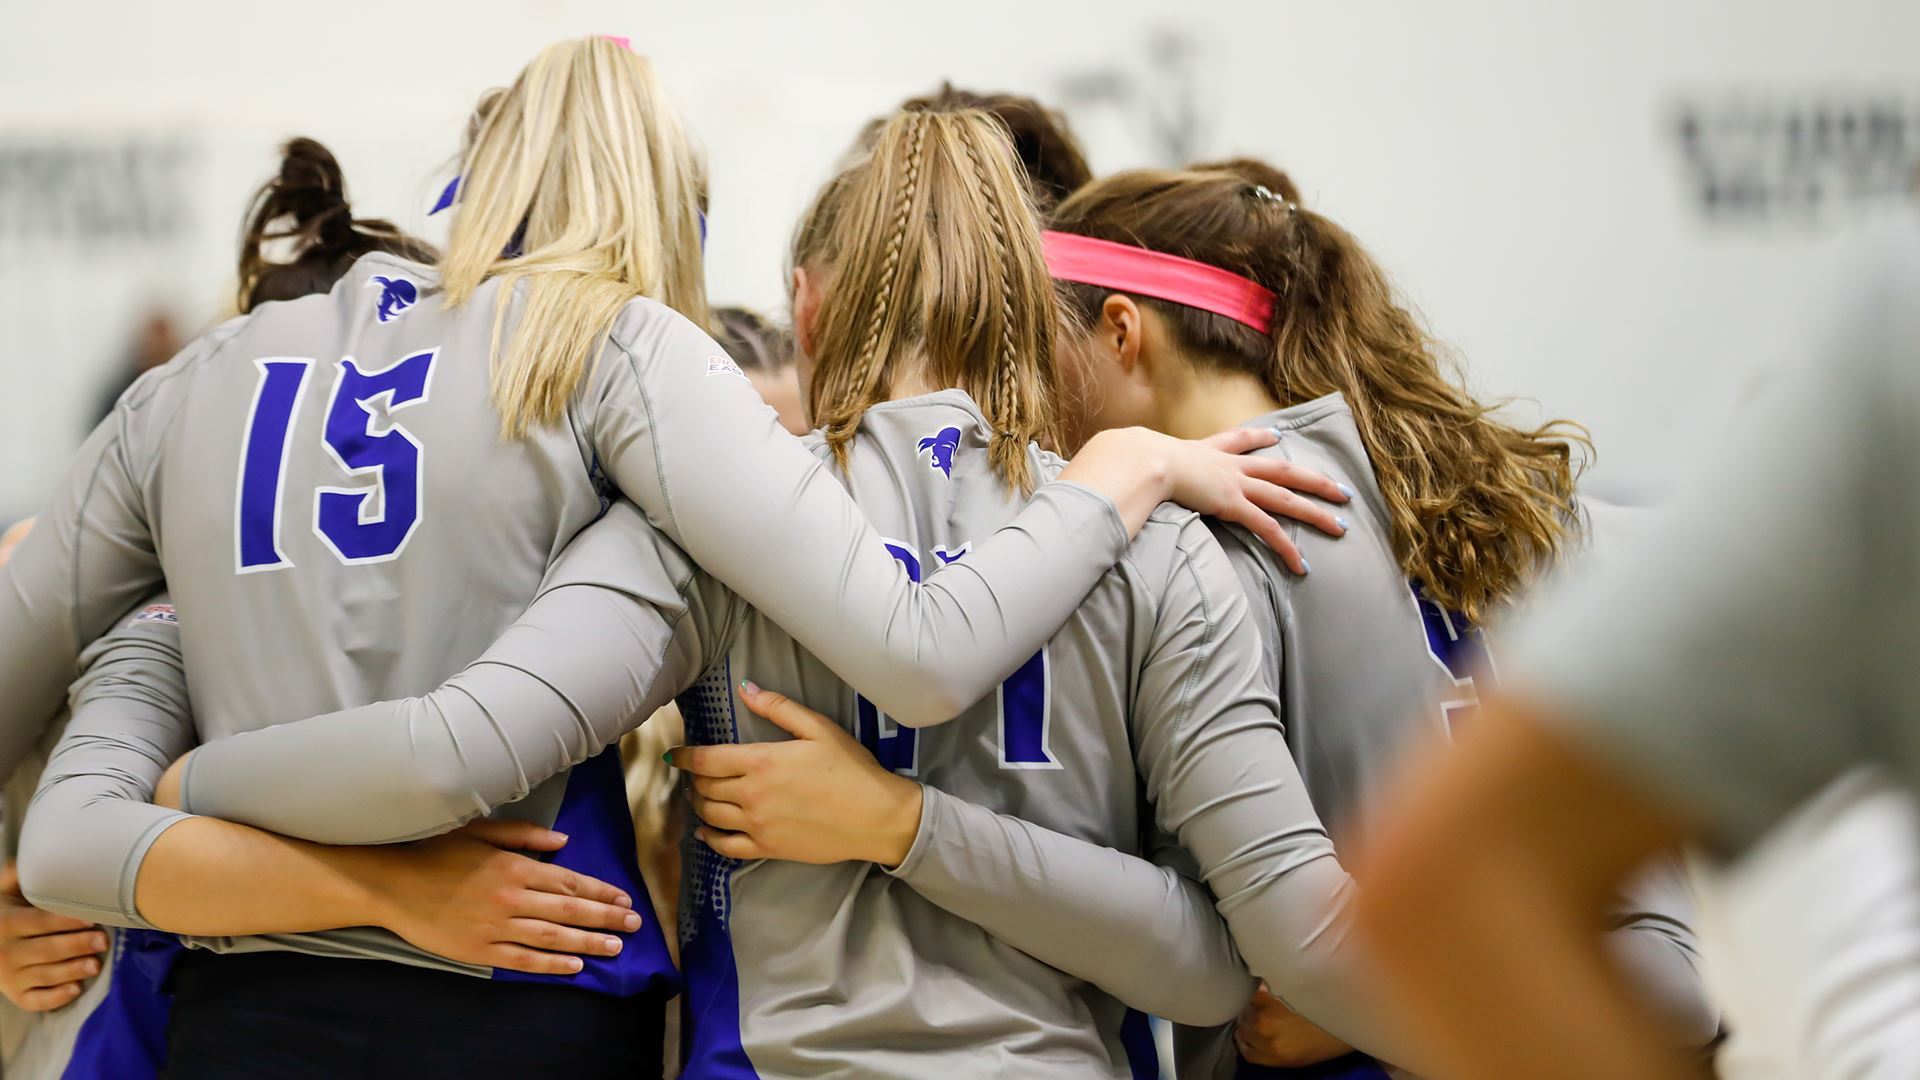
{"type": "Point", "coordinates": [1342, 522]}
{"type": "Point", "coordinates": [1345, 490]}
{"type": "Point", "coordinates": [747, 687]}
{"type": "Point", "coordinates": [1278, 432]}
{"type": "Point", "coordinates": [1305, 566]}
{"type": "Point", "coordinates": [668, 756]}
{"type": "Point", "coordinates": [632, 921]}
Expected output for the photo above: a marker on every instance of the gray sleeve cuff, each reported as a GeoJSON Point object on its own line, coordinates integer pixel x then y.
{"type": "Point", "coordinates": [1116, 526]}
{"type": "Point", "coordinates": [931, 807]}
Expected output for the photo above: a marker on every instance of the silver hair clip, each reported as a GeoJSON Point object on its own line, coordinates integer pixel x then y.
{"type": "Point", "coordinates": [1261, 191]}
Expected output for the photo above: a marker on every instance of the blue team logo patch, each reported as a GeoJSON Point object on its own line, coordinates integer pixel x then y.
{"type": "Point", "coordinates": [157, 613]}
{"type": "Point", "coordinates": [396, 296]}
{"type": "Point", "coordinates": [940, 447]}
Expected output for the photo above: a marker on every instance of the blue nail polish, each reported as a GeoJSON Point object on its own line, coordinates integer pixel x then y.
{"type": "Point", "coordinates": [1306, 567]}
{"type": "Point", "coordinates": [1342, 522]}
{"type": "Point", "coordinates": [1278, 432]}
{"type": "Point", "coordinates": [1345, 490]}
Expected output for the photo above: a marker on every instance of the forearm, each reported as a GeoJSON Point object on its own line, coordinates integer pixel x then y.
{"type": "Point", "coordinates": [91, 822]}
{"type": "Point", "coordinates": [590, 659]}
{"type": "Point", "coordinates": [1066, 902]}
{"type": "Point", "coordinates": [391, 771]}
{"type": "Point", "coordinates": [920, 652]}
{"type": "Point", "coordinates": [212, 878]}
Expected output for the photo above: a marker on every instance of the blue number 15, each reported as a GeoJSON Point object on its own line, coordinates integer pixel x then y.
{"type": "Point", "coordinates": [358, 524]}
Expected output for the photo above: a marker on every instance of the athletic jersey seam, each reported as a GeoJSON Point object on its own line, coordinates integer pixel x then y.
{"type": "Point", "coordinates": [1206, 642]}
{"type": "Point", "coordinates": [1312, 416]}
{"type": "Point", "coordinates": [232, 334]}
{"type": "Point", "coordinates": [653, 432]}
{"type": "Point", "coordinates": [79, 538]}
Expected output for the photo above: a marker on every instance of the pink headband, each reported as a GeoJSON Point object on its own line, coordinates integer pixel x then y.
{"type": "Point", "coordinates": [1159, 275]}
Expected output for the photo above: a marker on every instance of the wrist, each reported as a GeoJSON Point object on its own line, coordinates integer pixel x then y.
{"type": "Point", "coordinates": [375, 879]}
{"type": "Point", "coordinates": [902, 825]}
{"type": "Point", "coordinates": [1143, 455]}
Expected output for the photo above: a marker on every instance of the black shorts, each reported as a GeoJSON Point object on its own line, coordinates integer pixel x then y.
{"type": "Point", "coordinates": [292, 1016]}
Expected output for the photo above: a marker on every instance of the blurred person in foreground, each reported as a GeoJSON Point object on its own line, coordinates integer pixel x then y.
{"type": "Point", "coordinates": [1699, 690]}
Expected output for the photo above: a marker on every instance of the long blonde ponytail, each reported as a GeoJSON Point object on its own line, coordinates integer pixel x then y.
{"type": "Point", "coordinates": [931, 252]}
{"type": "Point", "coordinates": [581, 182]}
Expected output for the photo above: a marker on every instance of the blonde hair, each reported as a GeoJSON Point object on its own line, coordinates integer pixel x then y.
{"type": "Point", "coordinates": [1478, 506]}
{"type": "Point", "coordinates": [581, 182]}
{"type": "Point", "coordinates": [930, 252]}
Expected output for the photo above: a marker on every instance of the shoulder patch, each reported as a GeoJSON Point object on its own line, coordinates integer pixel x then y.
{"type": "Point", "coordinates": [723, 365]}
{"type": "Point", "coordinates": [397, 294]}
{"type": "Point", "coordinates": [939, 449]}
{"type": "Point", "coordinates": [157, 613]}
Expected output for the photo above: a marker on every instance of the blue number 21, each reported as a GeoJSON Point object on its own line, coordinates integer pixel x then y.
{"type": "Point", "coordinates": [1024, 700]}
{"type": "Point", "coordinates": [358, 524]}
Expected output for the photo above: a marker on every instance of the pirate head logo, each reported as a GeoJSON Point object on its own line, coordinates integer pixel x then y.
{"type": "Point", "coordinates": [939, 448]}
{"type": "Point", "coordinates": [396, 296]}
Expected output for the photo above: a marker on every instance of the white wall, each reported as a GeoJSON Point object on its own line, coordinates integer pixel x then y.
{"type": "Point", "coordinates": [1515, 164]}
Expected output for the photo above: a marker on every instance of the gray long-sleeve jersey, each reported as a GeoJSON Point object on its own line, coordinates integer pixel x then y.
{"type": "Point", "coordinates": [536, 703]}
{"type": "Point", "coordinates": [323, 485]}
{"type": "Point", "coordinates": [1156, 678]}
{"type": "Point", "coordinates": [116, 1028]}
{"type": "Point", "coordinates": [1146, 712]}
{"type": "Point", "coordinates": [1370, 671]}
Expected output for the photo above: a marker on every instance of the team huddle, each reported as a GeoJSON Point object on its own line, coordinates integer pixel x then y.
{"type": "Point", "coordinates": [1139, 535]}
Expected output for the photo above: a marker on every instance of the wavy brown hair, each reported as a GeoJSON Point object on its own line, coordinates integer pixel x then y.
{"type": "Point", "coordinates": [1478, 506]}
{"type": "Point", "coordinates": [928, 249]}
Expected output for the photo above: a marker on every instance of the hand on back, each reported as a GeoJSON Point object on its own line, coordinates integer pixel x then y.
{"type": "Point", "coordinates": [45, 959]}
{"type": "Point", "coordinates": [471, 895]}
{"type": "Point", "coordinates": [817, 798]}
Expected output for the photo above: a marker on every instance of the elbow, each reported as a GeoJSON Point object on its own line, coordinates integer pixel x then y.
{"type": "Point", "coordinates": [1679, 999]}
{"type": "Point", "coordinates": [1216, 998]}
{"type": "Point", "coordinates": [50, 872]}
{"type": "Point", "coordinates": [931, 703]}
{"type": "Point", "coordinates": [1694, 1022]}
